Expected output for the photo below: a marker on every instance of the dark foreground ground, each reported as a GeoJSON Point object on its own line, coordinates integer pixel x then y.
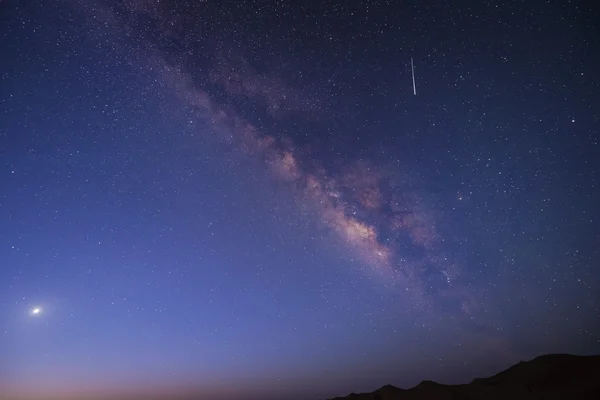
{"type": "Point", "coordinates": [549, 377]}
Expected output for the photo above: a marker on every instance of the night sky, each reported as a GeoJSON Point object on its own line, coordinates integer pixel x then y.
{"type": "Point", "coordinates": [246, 199]}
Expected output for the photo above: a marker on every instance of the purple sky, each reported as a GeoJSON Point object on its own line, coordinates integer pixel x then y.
{"type": "Point", "coordinates": [246, 199]}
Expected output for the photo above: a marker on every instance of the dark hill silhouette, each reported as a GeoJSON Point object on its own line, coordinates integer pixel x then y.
{"type": "Point", "coordinates": [549, 377]}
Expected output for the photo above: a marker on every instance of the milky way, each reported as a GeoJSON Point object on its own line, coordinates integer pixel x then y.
{"type": "Point", "coordinates": [357, 201]}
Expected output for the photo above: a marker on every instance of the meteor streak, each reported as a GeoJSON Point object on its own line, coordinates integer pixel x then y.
{"type": "Point", "coordinates": [413, 76]}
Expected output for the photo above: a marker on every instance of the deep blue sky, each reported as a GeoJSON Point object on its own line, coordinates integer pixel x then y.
{"type": "Point", "coordinates": [245, 198]}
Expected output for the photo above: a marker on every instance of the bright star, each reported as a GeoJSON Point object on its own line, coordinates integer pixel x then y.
{"type": "Point", "coordinates": [36, 311]}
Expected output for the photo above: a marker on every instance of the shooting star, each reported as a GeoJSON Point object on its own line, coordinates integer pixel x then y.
{"type": "Point", "coordinates": [413, 76]}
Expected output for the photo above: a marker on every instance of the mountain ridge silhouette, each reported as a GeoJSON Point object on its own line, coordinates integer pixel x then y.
{"type": "Point", "coordinates": [547, 377]}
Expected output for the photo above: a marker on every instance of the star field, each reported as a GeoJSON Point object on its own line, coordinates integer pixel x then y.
{"type": "Point", "coordinates": [247, 200]}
